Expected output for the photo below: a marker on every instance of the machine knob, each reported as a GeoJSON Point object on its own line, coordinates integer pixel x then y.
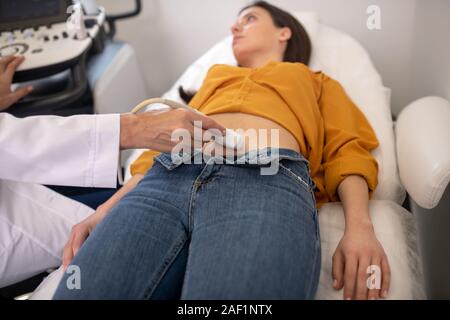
{"type": "Point", "coordinates": [10, 37]}
{"type": "Point", "coordinates": [28, 33]}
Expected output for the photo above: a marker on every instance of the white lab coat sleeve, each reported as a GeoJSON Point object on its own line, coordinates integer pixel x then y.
{"type": "Point", "coordinates": [80, 150]}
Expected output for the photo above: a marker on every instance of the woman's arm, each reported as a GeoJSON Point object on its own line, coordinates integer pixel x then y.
{"type": "Point", "coordinates": [82, 230]}
{"type": "Point", "coordinates": [359, 248]}
{"type": "Point", "coordinates": [111, 202]}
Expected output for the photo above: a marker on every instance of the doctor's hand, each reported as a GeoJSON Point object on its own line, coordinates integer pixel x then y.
{"type": "Point", "coordinates": [8, 66]}
{"type": "Point", "coordinates": [153, 130]}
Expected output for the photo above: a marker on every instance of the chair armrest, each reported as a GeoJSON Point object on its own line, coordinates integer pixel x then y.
{"type": "Point", "coordinates": [423, 149]}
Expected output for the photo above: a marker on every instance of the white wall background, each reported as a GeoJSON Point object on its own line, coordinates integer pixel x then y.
{"type": "Point", "coordinates": [431, 51]}
{"type": "Point", "coordinates": [411, 50]}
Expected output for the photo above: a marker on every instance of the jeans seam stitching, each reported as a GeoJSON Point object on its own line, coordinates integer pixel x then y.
{"type": "Point", "coordinates": [314, 268]}
{"type": "Point", "coordinates": [316, 215]}
{"type": "Point", "coordinates": [295, 176]}
{"type": "Point", "coordinates": [168, 164]}
{"type": "Point", "coordinates": [195, 186]}
{"type": "Point", "coordinates": [154, 284]}
{"type": "Point", "coordinates": [191, 205]}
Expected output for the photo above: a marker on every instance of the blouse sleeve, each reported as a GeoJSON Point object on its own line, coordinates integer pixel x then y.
{"type": "Point", "coordinates": [349, 139]}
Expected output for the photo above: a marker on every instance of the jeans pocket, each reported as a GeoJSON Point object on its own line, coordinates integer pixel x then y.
{"type": "Point", "coordinates": [302, 179]}
{"type": "Point", "coordinates": [166, 160]}
{"type": "Point", "coordinates": [172, 161]}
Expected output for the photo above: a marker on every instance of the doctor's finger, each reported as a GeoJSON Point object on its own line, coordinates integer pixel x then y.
{"type": "Point", "coordinates": [5, 61]}
{"type": "Point", "coordinates": [207, 122]}
{"type": "Point", "coordinates": [19, 94]}
{"type": "Point", "coordinates": [196, 133]}
{"type": "Point", "coordinates": [10, 99]}
{"type": "Point", "coordinates": [12, 67]}
{"type": "Point", "coordinates": [184, 135]}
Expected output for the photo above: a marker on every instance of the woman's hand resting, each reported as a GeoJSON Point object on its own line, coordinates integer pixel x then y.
{"type": "Point", "coordinates": [80, 232]}
{"type": "Point", "coordinates": [358, 249]}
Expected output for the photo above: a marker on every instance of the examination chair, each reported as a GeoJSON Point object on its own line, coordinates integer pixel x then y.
{"type": "Point", "coordinates": [344, 59]}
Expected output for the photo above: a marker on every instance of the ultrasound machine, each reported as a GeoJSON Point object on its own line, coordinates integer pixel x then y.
{"type": "Point", "coordinates": [71, 59]}
{"type": "Point", "coordinates": [75, 67]}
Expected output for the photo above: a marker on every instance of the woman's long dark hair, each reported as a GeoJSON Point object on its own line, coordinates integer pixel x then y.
{"type": "Point", "coordinates": [299, 45]}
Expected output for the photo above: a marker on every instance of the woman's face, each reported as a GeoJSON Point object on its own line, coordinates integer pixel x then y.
{"type": "Point", "coordinates": [255, 37]}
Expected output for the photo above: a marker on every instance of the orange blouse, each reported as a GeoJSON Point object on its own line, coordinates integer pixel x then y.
{"type": "Point", "coordinates": [333, 134]}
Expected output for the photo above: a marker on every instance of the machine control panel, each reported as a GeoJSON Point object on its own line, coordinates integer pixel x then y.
{"type": "Point", "coordinates": [45, 44]}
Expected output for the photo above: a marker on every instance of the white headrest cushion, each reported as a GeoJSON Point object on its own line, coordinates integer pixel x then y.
{"type": "Point", "coordinates": [309, 20]}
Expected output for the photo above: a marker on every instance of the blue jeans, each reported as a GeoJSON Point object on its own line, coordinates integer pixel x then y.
{"type": "Point", "coordinates": [242, 235]}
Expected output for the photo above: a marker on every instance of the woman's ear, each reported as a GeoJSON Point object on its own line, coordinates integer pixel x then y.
{"type": "Point", "coordinates": [285, 34]}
